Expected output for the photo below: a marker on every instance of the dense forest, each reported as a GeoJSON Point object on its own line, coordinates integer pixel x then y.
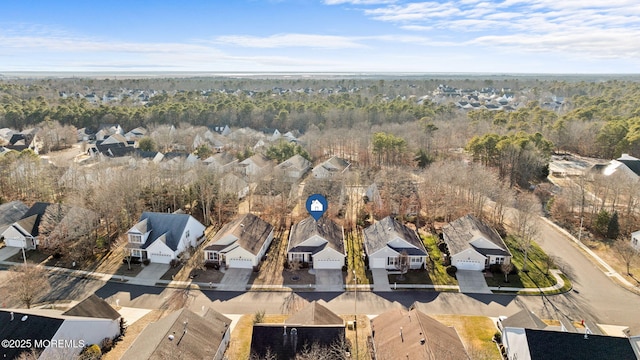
{"type": "Point", "coordinates": [596, 118]}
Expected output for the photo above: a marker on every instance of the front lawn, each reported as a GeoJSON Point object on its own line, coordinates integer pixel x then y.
{"type": "Point", "coordinates": [537, 274]}
{"type": "Point", "coordinates": [437, 272]}
{"type": "Point", "coordinates": [476, 333]}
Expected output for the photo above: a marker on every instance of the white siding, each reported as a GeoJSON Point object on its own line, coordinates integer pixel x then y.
{"type": "Point", "coordinates": [468, 260]}
{"type": "Point", "coordinates": [90, 331]}
{"type": "Point", "coordinates": [328, 259]}
{"type": "Point", "coordinates": [378, 260]}
{"type": "Point", "coordinates": [160, 253]}
{"type": "Point", "coordinates": [240, 258]}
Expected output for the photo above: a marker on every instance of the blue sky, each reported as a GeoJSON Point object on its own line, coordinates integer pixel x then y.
{"type": "Point", "coordinates": [463, 36]}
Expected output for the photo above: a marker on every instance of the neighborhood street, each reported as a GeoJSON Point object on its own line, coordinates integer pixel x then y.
{"type": "Point", "coordinates": [595, 298]}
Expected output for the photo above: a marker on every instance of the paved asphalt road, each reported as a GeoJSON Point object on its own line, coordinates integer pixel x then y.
{"type": "Point", "coordinates": [595, 297]}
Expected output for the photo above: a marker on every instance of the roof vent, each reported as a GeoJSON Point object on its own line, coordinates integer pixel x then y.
{"type": "Point", "coordinates": [422, 341]}
{"type": "Point", "coordinates": [24, 318]}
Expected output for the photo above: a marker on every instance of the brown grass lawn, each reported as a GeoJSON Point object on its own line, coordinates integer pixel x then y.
{"type": "Point", "coordinates": [123, 270]}
{"type": "Point", "coordinates": [363, 328]}
{"type": "Point", "coordinates": [272, 270]}
{"type": "Point", "coordinates": [606, 252]}
{"type": "Point", "coordinates": [476, 333]}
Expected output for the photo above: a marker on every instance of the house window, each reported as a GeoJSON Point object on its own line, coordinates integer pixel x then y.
{"type": "Point", "coordinates": [416, 260]}
{"type": "Point", "coordinates": [136, 253]}
{"type": "Point", "coordinates": [635, 242]}
{"type": "Point", "coordinates": [186, 234]}
{"type": "Point", "coordinates": [135, 238]}
{"type": "Point", "coordinates": [212, 256]}
{"type": "Point", "coordinates": [392, 261]}
{"type": "Point", "coordinates": [499, 260]}
{"type": "Point", "coordinates": [297, 257]}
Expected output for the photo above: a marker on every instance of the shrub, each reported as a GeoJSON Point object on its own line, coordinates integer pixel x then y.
{"type": "Point", "coordinates": [344, 268]}
{"type": "Point", "coordinates": [286, 264]}
{"type": "Point", "coordinates": [212, 265]}
{"type": "Point", "coordinates": [173, 263]}
{"type": "Point", "coordinates": [146, 262]}
{"type": "Point", "coordinates": [497, 337]}
{"type": "Point", "coordinates": [134, 260]}
{"type": "Point", "coordinates": [451, 270]}
{"type": "Point", "coordinates": [106, 344]}
{"type": "Point", "coordinates": [495, 268]}
{"type": "Point", "coordinates": [91, 352]}
{"type": "Point", "coordinates": [305, 265]}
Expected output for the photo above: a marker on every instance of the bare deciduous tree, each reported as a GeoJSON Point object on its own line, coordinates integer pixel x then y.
{"type": "Point", "coordinates": [402, 263]}
{"type": "Point", "coordinates": [627, 252]}
{"type": "Point", "coordinates": [28, 282]}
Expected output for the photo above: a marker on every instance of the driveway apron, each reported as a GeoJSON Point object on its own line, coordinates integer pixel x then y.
{"type": "Point", "coordinates": [472, 282]}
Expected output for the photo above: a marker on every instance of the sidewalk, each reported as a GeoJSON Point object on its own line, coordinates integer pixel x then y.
{"type": "Point", "coordinates": [217, 286]}
{"type": "Point", "coordinates": [609, 271]}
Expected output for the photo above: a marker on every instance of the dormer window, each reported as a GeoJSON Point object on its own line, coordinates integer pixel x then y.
{"type": "Point", "coordinates": [135, 238]}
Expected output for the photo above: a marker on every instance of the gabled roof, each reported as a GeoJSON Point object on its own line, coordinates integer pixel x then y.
{"type": "Point", "coordinates": [201, 339]}
{"type": "Point", "coordinates": [631, 162]}
{"type": "Point", "coordinates": [378, 235]}
{"type": "Point", "coordinates": [334, 164]}
{"type": "Point", "coordinates": [170, 225]}
{"type": "Point", "coordinates": [398, 332]}
{"type": "Point", "coordinates": [314, 314]}
{"type": "Point", "coordinates": [324, 228]}
{"type": "Point", "coordinates": [11, 212]}
{"type": "Point", "coordinates": [31, 219]}
{"type": "Point", "coordinates": [250, 230]}
{"type": "Point", "coordinates": [459, 233]}
{"type": "Point", "coordinates": [295, 162]}
{"type": "Point", "coordinates": [551, 345]}
{"type": "Point", "coordinates": [93, 307]}
{"type": "Point", "coordinates": [34, 328]}
{"type": "Point", "coordinates": [523, 319]}
{"type": "Point", "coordinates": [258, 159]}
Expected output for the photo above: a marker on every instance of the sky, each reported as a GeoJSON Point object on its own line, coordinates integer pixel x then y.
{"type": "Point", "coordinates": [361, 36]}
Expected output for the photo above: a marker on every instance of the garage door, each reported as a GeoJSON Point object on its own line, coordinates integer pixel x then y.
{"type": "Point", "coordinates": [327, 264]}
{"type": "Point", "coordinates": [377, 263]}
{"type": "Point", "coordinates": [469, 265]}
{"type": "Point", "coordinates": [239, 263]}
{"type": "Point", "coordinates": [159, 258]}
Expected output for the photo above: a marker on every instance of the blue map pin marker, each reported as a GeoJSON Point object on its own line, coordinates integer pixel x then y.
{"type": "Point", "coordinates": [316, 205]}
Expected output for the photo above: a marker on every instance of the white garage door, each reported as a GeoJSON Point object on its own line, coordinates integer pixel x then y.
{"type": "Point", "coordinates": [239, 263]}
{"type": "Point", "coordinates": [159, 258]}
{"type": "Point", "coordinates": [327, 264]}
{"type": "Point", "coordinates": [377, 263]}
{"type": "Point", "coordinates": [469, 265]}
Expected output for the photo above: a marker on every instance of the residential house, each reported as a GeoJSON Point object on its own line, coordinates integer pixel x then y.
{"type": "Point", "coordinates": [474, 245]}
{"type": "Point", "coordinates": [399, 334]}
{"type": "Point", "coordinates": [45, 219]}
{"type": "Point", "coordinates": [26, 139]}
{"type": "Point", "coordinates": [333, 190]}
{"type": "Point", "coordinates": [256, 165]}
{"type": "Point", "coordinates": [162, 237]}
{"type": "Point", "coordinates": [272, 193]}
{"type": "Point", "coordinates": [106, 130]}
{"type": "Point", "coordinates": [10, 213]}
{"type": "Point", "coordinates": [183, 334]}
{"type": "Point", "coordinates": [294, 167]}
{"type": "Point", "coordinates": [625, 165]}
{"type": "Point", "coordinates": [313, 324]}
{"type": "Point", "coordinates": [330, 168]}
{"type": "Point", "coordinates": [523, 343]}
{"type": "Point", "coordinates": [136, 134]}
{"type": "Point", "coordinates": [241, 243]}
{"type": "Point", "coordinates": [233, 184]}
{"type": "Point", "coordinates": [522, 319]}
{"type": "Point", "coordinates": [635, 240]}
{"type": "Point", "coordinates": [318, 243]}
{"type": "Point", "coordinates": [221, 163]}
{"type": "Point", "coordinates": [89, 322]}
{"type": "Point", "coordinates": [385, 240]}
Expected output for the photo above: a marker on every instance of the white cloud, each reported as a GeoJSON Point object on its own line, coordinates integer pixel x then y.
{"type": "Point", "coordinates": [290, 40]}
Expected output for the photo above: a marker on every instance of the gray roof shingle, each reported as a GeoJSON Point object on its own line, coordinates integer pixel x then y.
{"type": "Point", "coordinates": [378, 235]}
{"type": "Point", "coordinates": [324, 227]}
{"type": "Point", "coordinates": [250, 230]}
{"type": "Point", "coordinates": [458, 233]}
{"type": "Point", "coordinates": [172, 225]}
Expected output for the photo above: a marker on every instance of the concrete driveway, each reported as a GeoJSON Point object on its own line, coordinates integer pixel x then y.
{"type": "Point", "coordinates": [329, 280]}
{"type": "Point", "coordinates": [472, 282]}
{"type": "Point", "coordinates": [235, 279]}
{"type": "Point", "coordinates": [7, 252]}
{"type": "Point", "coordinates": [380, 280]}
{"type": "Point", "coordinates": [150, 274]}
